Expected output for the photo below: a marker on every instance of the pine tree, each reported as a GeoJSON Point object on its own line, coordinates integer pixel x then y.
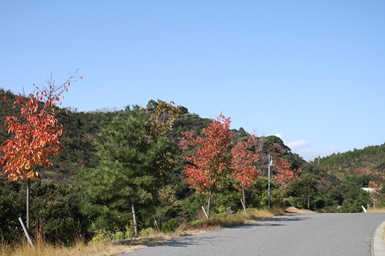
{"type": "Point", "coordinates": [133, 161]}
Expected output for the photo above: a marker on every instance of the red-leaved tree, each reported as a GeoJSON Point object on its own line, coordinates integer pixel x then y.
{"type": "Point", "coordinates": [244, 169]}
{"type": "Point", "coordinates": [210, 163]}
{"type": "Point", "coordinates": [34, 134]}
{"type": "Point", "coordinates": [285, 173]}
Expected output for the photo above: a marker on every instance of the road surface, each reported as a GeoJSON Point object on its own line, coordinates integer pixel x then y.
{"type": "Point", "coordinates": [331, 234]}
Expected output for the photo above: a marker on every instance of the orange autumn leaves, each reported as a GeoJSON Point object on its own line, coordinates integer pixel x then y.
{"type": "Point", "coordinates": [244, 170]}
{"type": "Point", "coordinates": [34, 134]}
{"type": "Point", "coordinates": [285, 173]}
{"type": "Point", "coordinates": [35, 137]}
{"type": "Point", "coordinates": [214, 157]}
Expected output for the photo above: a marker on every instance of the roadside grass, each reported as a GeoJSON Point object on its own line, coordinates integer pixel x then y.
{"type": "Point", "coordinates": [78, 249]}
{"type": "Point", "coordinates": [107, 246]}
{"type": "Point", "coordinates": [377, 209]}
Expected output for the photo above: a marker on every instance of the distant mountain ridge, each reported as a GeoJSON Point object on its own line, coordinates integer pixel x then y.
{"type": "Point", "coordinates": [369, 159]}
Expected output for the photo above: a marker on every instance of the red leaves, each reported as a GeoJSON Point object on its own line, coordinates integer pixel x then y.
{"type": "Point", "coordinates": [285, 173]}
{"type": "Point", "coordinates": [213, 159]}
{"type": "Point", "coordinates": [244, 170]}
{"type": "Point", "coordinates": [209, 164]}
{"type": "Point", "coordinates": [374, 185]}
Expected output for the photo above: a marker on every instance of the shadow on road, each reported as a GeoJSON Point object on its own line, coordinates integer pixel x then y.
{"type": "Point", "coordinates": [289, 218]}
{"type": "Point", "coordinates": [188, 241]}
{"type": "Point", "coordinates": [273, 222]}
{"type": "Point", "coordinates": [203, 239]}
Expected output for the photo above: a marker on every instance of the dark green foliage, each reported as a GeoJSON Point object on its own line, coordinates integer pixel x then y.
{"type": "Point", "coordinates": [259, 192]}
{"type": "Point", "coordinates": [354, 198]}
{"type": "Point", "coordinates": [301, 189]}
{"type": "Point", "coordinates": [56, 210]}
{"type": "Point", "coordinates": [172, 216]}
{"type": "Point", "coordinates": [275, 145]}
{"type": "Point", "coordinates": [134, 165]}
{"type": "Point", "coordinates": [369, 158]}
{"type": "Point", "coordinates": [170, 226]}
{"type": "Point", "coordinates": [359, 180]}
{"type": "Point", "coordinates": [193, 205]}
{"type": "Point", "coordinates": [123, 176]}
{"type": "Point", "coordinates": [11, 205]}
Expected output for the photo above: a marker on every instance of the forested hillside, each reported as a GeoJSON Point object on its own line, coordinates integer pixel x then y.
{"type": "Point", "coordinates": [368, 159]}
{"type": "Point", "coordinates": [114, 163]}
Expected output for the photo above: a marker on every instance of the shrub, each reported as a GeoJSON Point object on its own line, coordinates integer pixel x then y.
{"type": "Point", "coordinates": [170, 226]}
{"type": "Point", "coordinates": [146, 232]}
{"type": "Point", "coordinates": [118, 236]}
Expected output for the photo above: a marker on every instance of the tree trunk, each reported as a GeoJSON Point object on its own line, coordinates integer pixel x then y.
{"type": "Point", "coordinates": [134, 220]}
{"type": "Point", "coordinates": [27, 203]}
{"type": "Point", "coordinates": [244, 198]}
{"type": "Point", "coordinates": [208, 205]}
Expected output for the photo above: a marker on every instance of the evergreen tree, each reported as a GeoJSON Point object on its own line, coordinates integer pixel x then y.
{"type": "Point", "coordinates": [134, 160]}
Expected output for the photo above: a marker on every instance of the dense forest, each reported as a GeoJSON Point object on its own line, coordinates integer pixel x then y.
{"type": "Point", "coordinates": [114, 163]}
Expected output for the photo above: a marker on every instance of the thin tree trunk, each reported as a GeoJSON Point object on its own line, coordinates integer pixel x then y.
{"type": "Point", "coordinates": [283, 192]}
{"type": "Point", "coordinates": [134, 219]}
{"type": "Point", "coordinates": [27, 203]}
{"type": "Point", "coordinates": [208, 205]}
{"type": "Point", "coordinates": [244, 198]}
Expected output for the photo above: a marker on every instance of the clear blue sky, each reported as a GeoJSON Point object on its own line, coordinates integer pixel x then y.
{"type": "Point", "coordinates": [311, 71]}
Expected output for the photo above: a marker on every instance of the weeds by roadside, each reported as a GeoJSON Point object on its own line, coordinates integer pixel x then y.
{"type": "Point", "coordinates": [382, 209]}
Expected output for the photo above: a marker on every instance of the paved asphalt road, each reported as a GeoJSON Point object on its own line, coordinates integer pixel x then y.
{"type": "Point", "coordinates": [312, 234]}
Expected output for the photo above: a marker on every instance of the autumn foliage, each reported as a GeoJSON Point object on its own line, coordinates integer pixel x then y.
{"type": "Point", "coordinates": [285, 174]}
{"type": "Point", "coordinates": [209, 164]}
{"type": "Point", "coordinates": [35, 134]}
{"type": "Point", "coordinates": [215, 160]}
{"type": "Point", "coordinates": [244, 159]}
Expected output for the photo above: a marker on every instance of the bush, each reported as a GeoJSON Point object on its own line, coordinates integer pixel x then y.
{"type": "Point", "coordinates": [55, 209]}
{"type": "Point", "coordinates": [100, 236]}
{"type": "Point", "coordinates": [170, 226]}
{"type": "Point", "coordinates": [146, 232]}
{"type": "Point", "coordinates": [118, 236]}
{"type": "Point", "coordinates": [193, 205]}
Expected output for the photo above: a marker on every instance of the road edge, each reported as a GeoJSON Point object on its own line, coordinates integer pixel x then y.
{"type": "Point", "coordinates": [378, 244]}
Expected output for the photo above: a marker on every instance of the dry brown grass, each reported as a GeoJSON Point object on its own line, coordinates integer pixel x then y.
{"type": "Point", "coordinates": [78, 249]}
{"type": "Point", "coordinates": [96, 249]}
{"type": "Point", "coordinates": [376, 209]}
{"type": "Point", "coordinates": [296, 210]}
{"type": "Point", "coordinates": [128, 245]}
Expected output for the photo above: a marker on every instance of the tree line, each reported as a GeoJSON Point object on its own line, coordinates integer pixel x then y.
{"type": "Point", "coordinates": [158, 167]}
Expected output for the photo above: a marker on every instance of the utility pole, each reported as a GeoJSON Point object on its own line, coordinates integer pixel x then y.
{"type": "Point", "coordinates": [270, 163]}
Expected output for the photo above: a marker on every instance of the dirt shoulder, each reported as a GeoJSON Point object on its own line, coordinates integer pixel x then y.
{"type": "Point", "coordinates": [298, 211]}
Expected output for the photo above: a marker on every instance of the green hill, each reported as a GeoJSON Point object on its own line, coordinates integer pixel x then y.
{"type": "Point", "coordinates": [63, 202]}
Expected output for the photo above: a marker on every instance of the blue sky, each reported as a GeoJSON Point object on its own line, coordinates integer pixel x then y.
{"type": "Point", "coordinates": [312, 72]}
